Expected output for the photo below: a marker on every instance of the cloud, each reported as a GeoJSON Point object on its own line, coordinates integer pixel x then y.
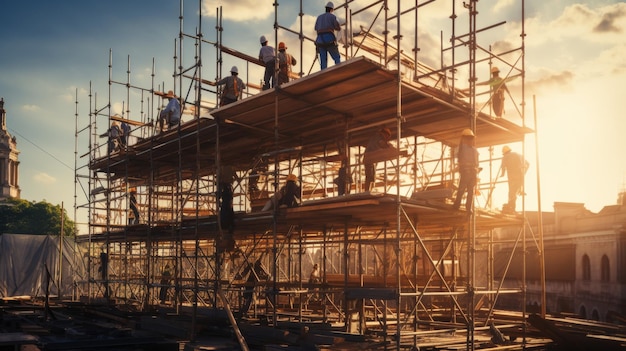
{"type": "Point", "coordinates": [239, 10]}
{"type": "Point", "coordinates": [549, 81]}
{"type": "Point", "coordinates": [612, 20]}
{"type": "Point", "coordinates": [30, 108]}
{"type": "Point", "coordinates": [579, 21]}
{"type": "Point", "coordinates": [502, 5]}
{"type": "Point", "coordinates": [44, 178]}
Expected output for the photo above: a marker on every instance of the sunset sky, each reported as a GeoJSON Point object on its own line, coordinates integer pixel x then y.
{"type": "Point", "coordinates": [575, 69]}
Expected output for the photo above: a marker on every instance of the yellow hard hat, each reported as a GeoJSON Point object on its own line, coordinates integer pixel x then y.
{"type": "Point", "coordinates": [292, 177]}
{"type": "Point", "coordinates": [467, 132]}
{"type": "Point", "coordinates": [506, 149]}
{"type": "Point", "coordinates": [495, 69]}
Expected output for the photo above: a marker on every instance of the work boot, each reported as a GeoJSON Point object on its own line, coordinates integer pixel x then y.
{"type": "Point", "coordinates": [507, 209]}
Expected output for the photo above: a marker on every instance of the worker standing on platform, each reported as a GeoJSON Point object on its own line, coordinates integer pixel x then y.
{"type": "Point", "coordinates": [285, 61]}
{"type": "Point", "coordinates": [498, 87]}
{"type": "Point", "coordinates": [377, 142]}
{"type": "Point", "coordinates": [467, 164]}
{"type": "Point", "coordinates": [133, 206]}
{"type": "Point", "coordinates": [115, 137]}
{"type": "Point", "coordinates": [125, 127]}
{"type": "Point", "coordinates": [268, 59]}
{"type": "Point", "coordinates": [314, 277]}
{"type": "Point", "coordinates": [256, 273]}
{"type": "Point", "coordinates": [515, 166]}
{"type": "Point", "coordinates": [227, 213]}
{"type": "Point", "coordinates": [343, 179]}
{"type": "Point", "coordinates": [166, 277]}
{"type": "Point", "coordinates": [171, 113]}
{"type": "Point", "coordinates": [326, 42]}
{"type": "Point", "coordinates": [233, 87]}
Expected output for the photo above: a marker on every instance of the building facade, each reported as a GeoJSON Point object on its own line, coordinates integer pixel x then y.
{"type": "Point", "coordinates": [9, 163]}
{"type": "Point", "coordinates": [584, 261]}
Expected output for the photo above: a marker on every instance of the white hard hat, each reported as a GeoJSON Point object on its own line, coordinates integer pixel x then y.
{"type": "Point", "coordinates": [330, 5]}
{"type": "Point", "coordinates": [234, 70]}
{"type": "Point", "coordinates": [262, 39]}
{"type": "Point", "coordinates": [467, 132]}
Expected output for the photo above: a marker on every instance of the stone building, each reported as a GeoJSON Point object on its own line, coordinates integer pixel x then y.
{"type": "Point", "coordinates": [584, 261]}
{"type": "Point", "coordinates": [9, 164]}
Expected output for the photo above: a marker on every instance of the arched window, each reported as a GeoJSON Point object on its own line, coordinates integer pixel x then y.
{"type": "Point", "coordinates": [605, 273]}
{"type": "Point", "coordinates": [586, 268]}
{"type": "Point", "coordinates": [583, 312]}
{"type": "Point", "coordinates": [595, 316]}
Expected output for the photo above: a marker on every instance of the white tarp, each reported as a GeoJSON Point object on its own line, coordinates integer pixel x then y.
{"type": "Point", "coordinates": [23, 262]}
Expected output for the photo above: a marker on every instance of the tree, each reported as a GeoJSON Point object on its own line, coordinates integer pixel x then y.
{"type": "Point", "coordinates": [19, 216]}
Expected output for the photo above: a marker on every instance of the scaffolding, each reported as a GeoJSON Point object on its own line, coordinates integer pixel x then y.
{"type": "Point", "coordinates": [396, 260]}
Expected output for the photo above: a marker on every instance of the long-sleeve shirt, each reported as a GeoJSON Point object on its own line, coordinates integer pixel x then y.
{"type": "Point", "coordinates": [514, 164]}
{"type": "Point", "coordinates": [467, 156]}
{"type": "Point", "coordinates": [172, 111]}
{"type": "Point", "coordinates": [266, 54]}
{"type": "Point", "coordinates": [229, 90]}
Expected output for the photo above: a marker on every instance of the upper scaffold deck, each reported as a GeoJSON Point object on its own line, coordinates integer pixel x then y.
{"type": "Point", "coordinates": [343, 102]}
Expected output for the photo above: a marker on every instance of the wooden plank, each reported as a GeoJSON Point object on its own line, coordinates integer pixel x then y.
{"type": "Point", "coordinates": [129, 121]}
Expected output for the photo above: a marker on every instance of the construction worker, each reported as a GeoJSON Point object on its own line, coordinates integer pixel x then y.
{"type": "Point", "coordinates": [227, 213]}
{"type": "Point", "coordinates": [467, 165]}
{"type": "Point", "coordinates": [233, 87]}
{"type": "Point", "coordinates": [166, 277]}
{"type": "Point", "coordinates": [115, 135]}
{"type": "Point", "coordinates": [515, 167]}
{"type": "Point", "coordinates": [171, 113]}
{"type": "Point", "coordinates": [314, 277]}
{"type": "Point", "coordinates": [285, 61]}
{"type": "Point", "coordinates": [377, 142]}
{"type": "Point", "coordinates": [326, 42]}
{"type": "Point", "coordinates": [287, 196]}
{"type": "Point", "coordinates": [498, 87]}
{"type": "Point", "coordinates": [290, 193]}
{"type": "Point", "coordinates": [268, 59]}
{"type": "Point", "coordinates": [133, 206]}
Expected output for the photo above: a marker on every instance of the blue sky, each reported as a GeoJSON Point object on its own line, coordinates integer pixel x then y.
{"type": "Point", "coordinates": [574, 55]}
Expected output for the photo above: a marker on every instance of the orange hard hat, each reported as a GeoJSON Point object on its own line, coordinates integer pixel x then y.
{"type": "Point", "coordinates": [292, 177]}
{"type": "Point", "coordinates": [282, 46]}
{"type": "Point", "coordinates": [506, 149]}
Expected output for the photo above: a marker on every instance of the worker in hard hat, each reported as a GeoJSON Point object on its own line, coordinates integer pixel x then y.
{"type": "Point", "coordinates": [170, 115]}
{"type": "Point", "coordinates": [233, 87]}
{"type": "Point", "coordinates": [290, 193]}
{"type": "Point", "coordinates": [268, 59]}
{"type": "Point", "coordinates": [498, 88]}
{"type": "Point", "coordinates": [377, 142]}
{"type": "Point", "coordinates": [287, 196]}
{"type": "Point", "coordinates": [467, 164]}
{"type": "Point", "coordinates": [326, 41]}
{"type": "Point", "coordinates": [285, 61]}
{"type": "Point", "coordinates": [514, 166]}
